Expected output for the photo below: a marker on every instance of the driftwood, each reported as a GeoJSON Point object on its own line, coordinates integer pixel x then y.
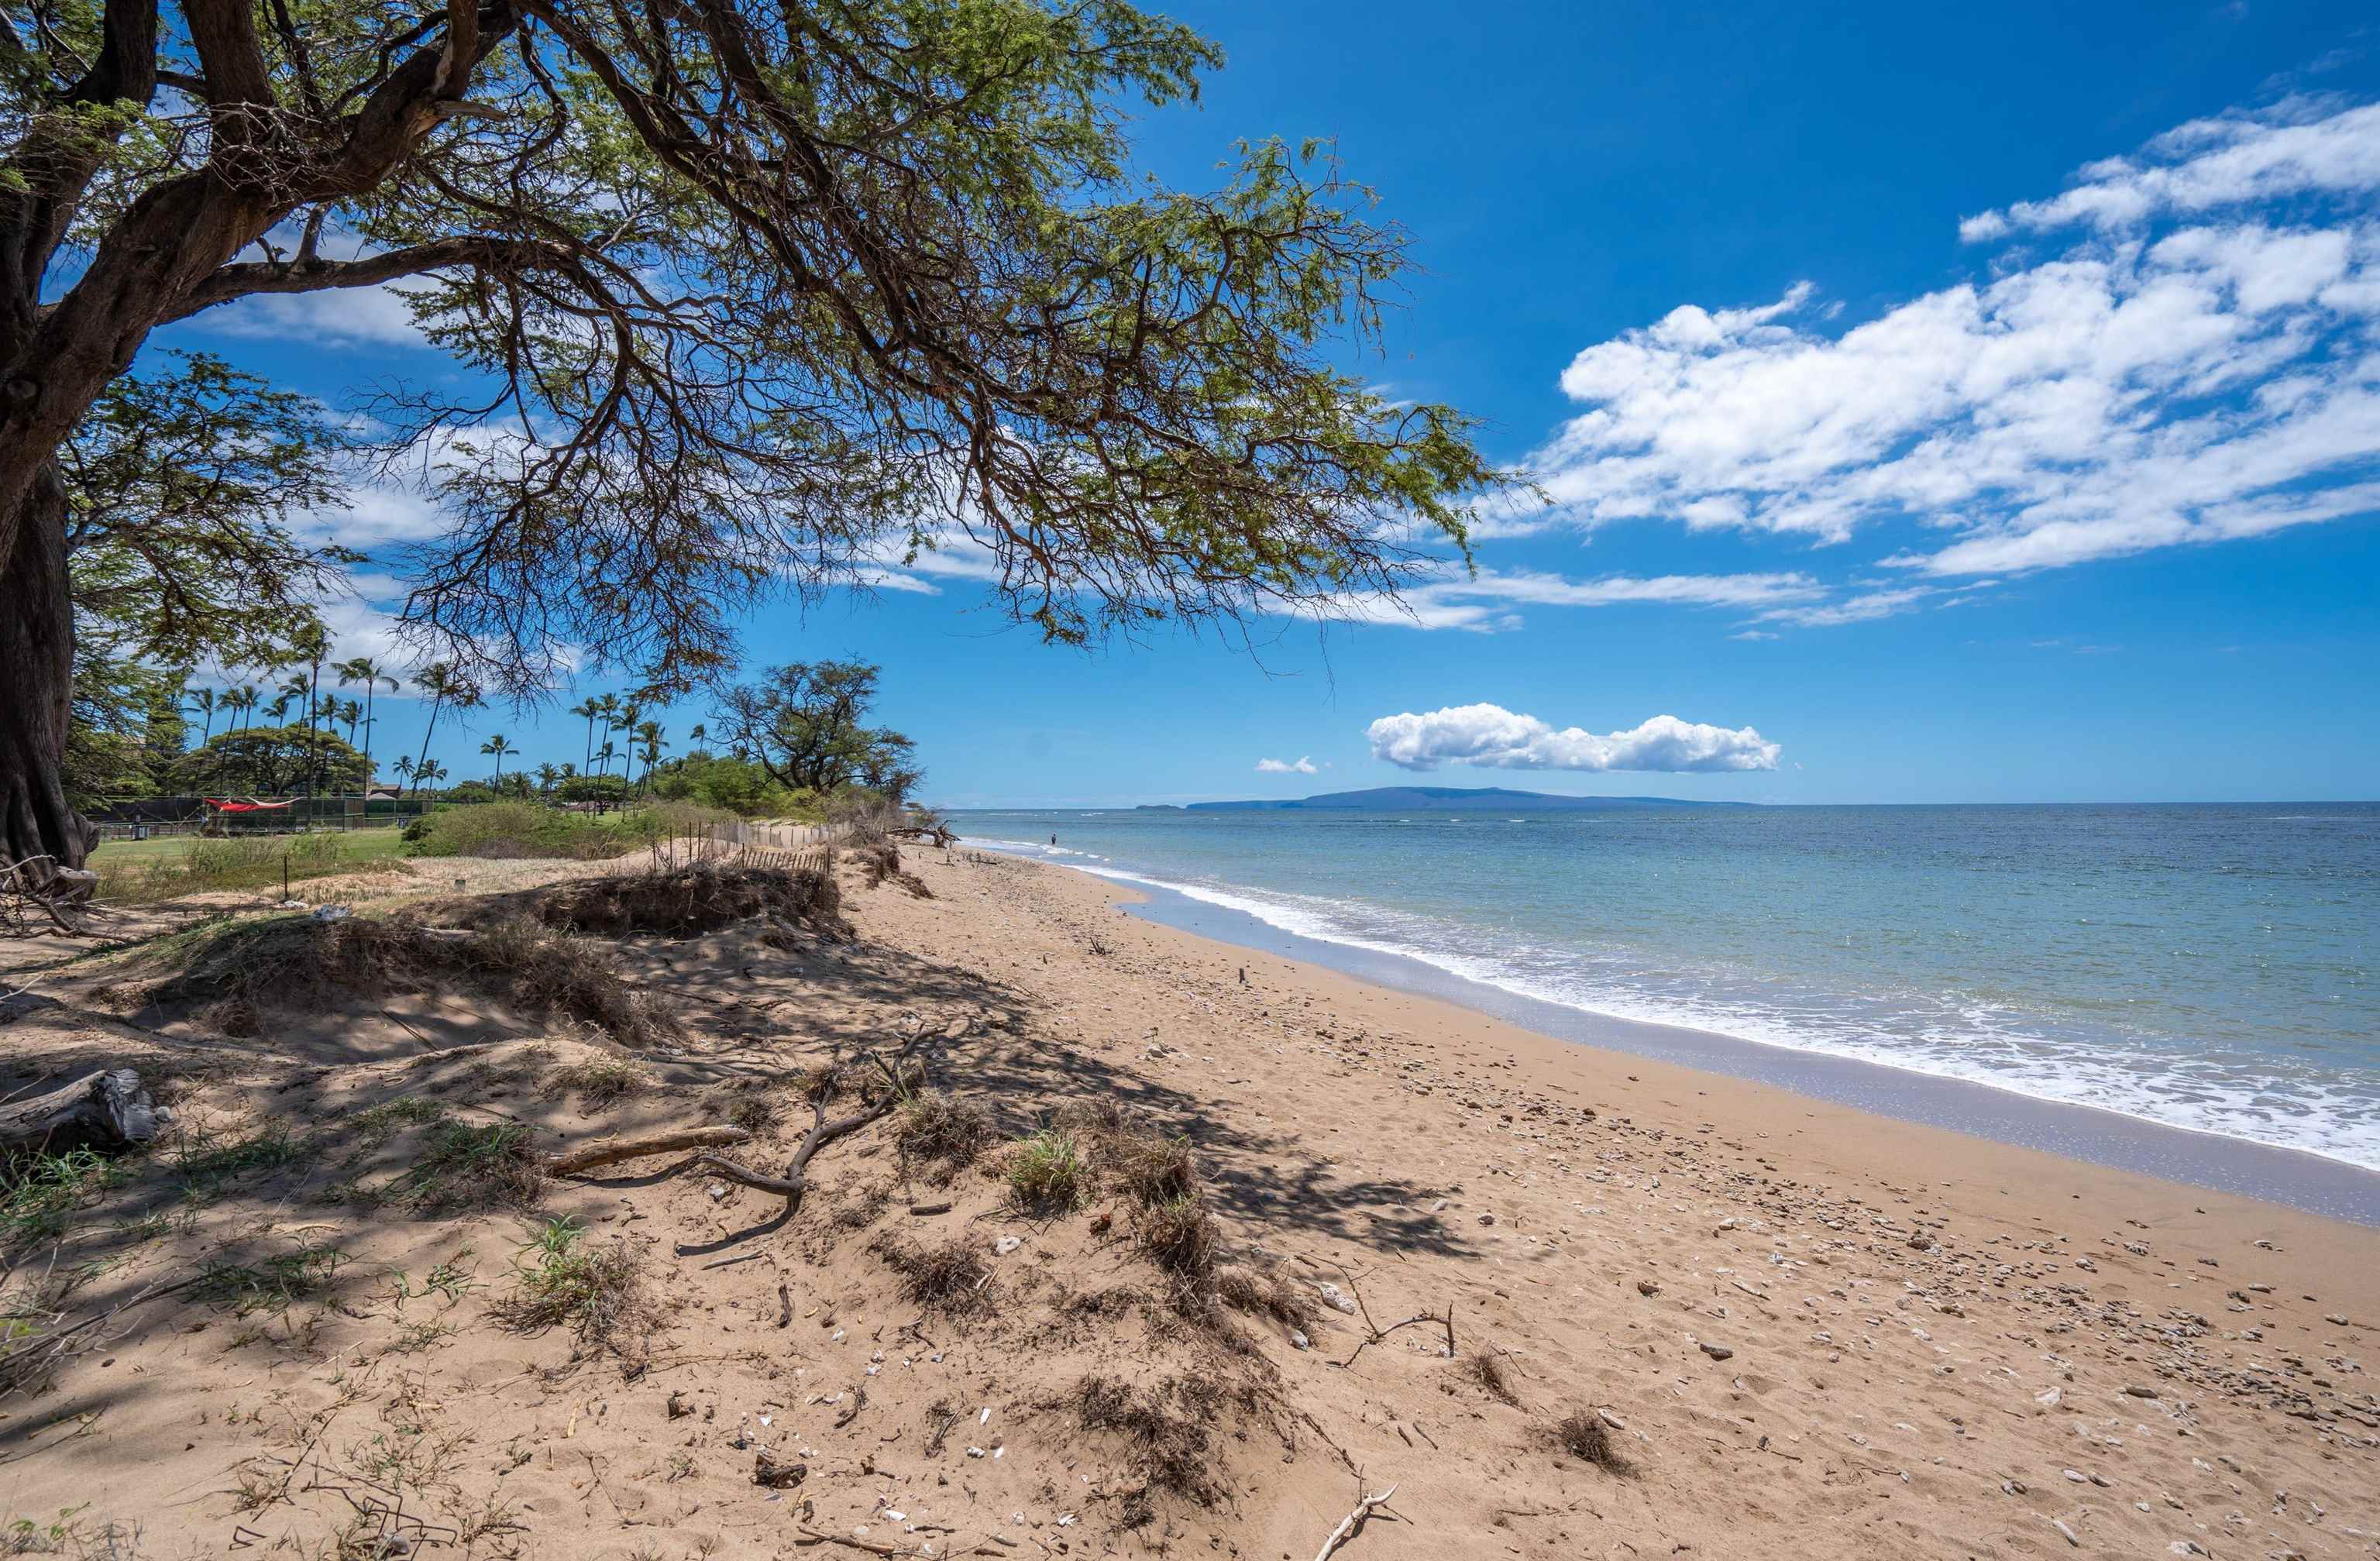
{"type": "Point", "coordinates": [796, 1182]}
{"type": "Point", "coordinates": [107, 1109]}
{"type": "Point", "coordinates": [822, 1133]}
{"type": "Point", "coordinates": [608, 1151]}
{"type": "Point", "coordinates": [1374, 1333]}
{"type": "Point", "coordinates": [1365, 1508]}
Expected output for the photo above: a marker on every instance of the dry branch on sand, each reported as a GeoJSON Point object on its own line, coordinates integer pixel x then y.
{"type": "Point", "coordinates": [1365, 1508]}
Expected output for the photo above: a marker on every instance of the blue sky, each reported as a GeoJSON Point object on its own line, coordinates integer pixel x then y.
{"type": "Point", "coordinates": [1974, 408]}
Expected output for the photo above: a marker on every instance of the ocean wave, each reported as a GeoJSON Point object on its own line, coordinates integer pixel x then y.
{"type": "Point", "coordinates": [1990, 1044]}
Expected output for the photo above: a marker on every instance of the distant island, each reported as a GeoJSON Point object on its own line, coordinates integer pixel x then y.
{"type": "Point", "coordinates": [1384, 797]}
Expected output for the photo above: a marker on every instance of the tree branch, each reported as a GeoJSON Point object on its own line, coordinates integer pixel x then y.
{"type": "Point", "coordinates": [487, 253]}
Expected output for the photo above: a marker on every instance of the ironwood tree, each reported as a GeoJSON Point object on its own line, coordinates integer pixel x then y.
{"type": "Point", "coordinates": [750, 297]}
{"type": "Point", "coordinates": [806, 726]}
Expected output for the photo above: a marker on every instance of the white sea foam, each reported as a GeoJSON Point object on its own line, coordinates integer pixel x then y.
{"type": "Point", "coordinates": [1980, 1043]}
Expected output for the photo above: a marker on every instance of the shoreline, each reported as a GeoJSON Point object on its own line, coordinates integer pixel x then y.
{"type": "Point", "coordinates": [2217, 1162]}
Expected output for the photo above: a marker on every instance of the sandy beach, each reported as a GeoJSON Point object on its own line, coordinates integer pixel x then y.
{"type": "Point", "coordinates": [1807, 1330]}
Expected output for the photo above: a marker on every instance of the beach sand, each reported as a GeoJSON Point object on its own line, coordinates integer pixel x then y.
{"type": "Point", "coordinates": [1809, 1331]}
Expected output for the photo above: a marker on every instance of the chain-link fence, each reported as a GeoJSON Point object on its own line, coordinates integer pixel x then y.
{"type": "Point", "coordinates": [148, 817]}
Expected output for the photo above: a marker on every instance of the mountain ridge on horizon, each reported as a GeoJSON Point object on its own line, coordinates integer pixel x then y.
{"type": "Point", "coordinates": [1431, 796]}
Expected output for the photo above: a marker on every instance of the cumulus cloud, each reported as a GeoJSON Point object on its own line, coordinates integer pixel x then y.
{"type": "Point", "coordinates": [2201, 362]}
{"type": "Point", "coordinates": [341, 317]}
{"type": "Point", "coordinates": [1286, 767]}
{"type": "Point", "coordinates": [2299, 146]}
{"type": "Point", "coordinates": [1493, 736]}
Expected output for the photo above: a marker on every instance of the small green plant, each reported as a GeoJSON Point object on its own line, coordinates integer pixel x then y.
{"type": "Point", "coordinates": [450, 1280]}
{"type": "Point", "coordinates": [1046, 1171]}
{"type": "Point", "coordinates": [276, 1284]}
{"type": "Point", "coordinates": [471, 1165]}
{"type": "Point", "coordinates": [371, 1129]}
{"type": "Point", "coordinates": [39, 1192]}
{"type": "Point", "coordinates": [599, 1081]}
{"type": "Point", "coordinates": [26, 1537]}
{"type": "Point", "coordinates": [598, 1293]}
{"type": "Point", "coordinates": [205, 1173]}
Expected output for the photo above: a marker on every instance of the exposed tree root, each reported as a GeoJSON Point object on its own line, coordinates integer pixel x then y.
{"type": "Point", "coordinates": [604, 1152]}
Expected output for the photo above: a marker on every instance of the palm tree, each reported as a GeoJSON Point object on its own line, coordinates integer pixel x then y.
{"type": "Point", "coordinates": [311, 644]}
{"type": "Point", "coordinates": [244, 699]}
{"type": "Point", "coordinates": [587, 709]}
{"type": "Point", "coordinates": [498, 746]}
{"type": "Point", "coordinates": [608, 708]}
{"type": "Point", "coordinates": [546, 776]}
{"type": "Point", "coordinates": [696, 735]}
{"type": "Point", "coordinates": [649, 734]}
{"type": "Point", "coordinates": [204, 701]}
{"type": "Point", "coordinates": [427, 775]}
{"type": "Point", "coordinates": [603, 758]}
{"type": "Point", "coordinates": [444, 687]}
{"type": "Point", "coordinates": [293, 691]}
{"type": "Point", "coordinates": [403, 768]}
{"type": "Point", "coordinates": [371, 674]}
{"type": "Point", "coordinates": [350, 712]}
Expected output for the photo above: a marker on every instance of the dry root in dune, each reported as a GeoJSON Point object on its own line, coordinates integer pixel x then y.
{"type": "Point", "coordinates": [697, 898]}
{"type": "Point", "coordinates": [234, 977]}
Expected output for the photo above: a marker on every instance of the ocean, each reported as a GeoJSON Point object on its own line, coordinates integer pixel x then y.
{"type": "Point", "coordinates": [2206, 967]}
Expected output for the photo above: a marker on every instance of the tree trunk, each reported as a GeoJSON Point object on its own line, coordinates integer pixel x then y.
{"type": "Point", "coordinates": [103, 1110]}
{"type": "Point", "coordinates": [37, 691]}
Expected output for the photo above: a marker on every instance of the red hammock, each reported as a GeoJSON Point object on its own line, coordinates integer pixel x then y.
{"type": "Point", "coordinates": [250, 805]}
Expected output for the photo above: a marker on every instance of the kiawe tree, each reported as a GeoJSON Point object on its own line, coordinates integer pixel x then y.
{"type": "Point", "coordinates": [755, 296]}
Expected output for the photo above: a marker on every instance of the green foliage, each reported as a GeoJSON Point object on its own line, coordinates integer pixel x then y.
{"type": "Point", "coordinates": [527, 829]}
{"type": "Point", "coordinates": [273, 1284]}
{"type": "Point", "coordinates": [39, 1192]}
{"type": "Point", "coordinates": [1047, 1172]}
{"type": "Point", "coordinates": [598, 1294]}
{"type": "Point", "coordinates": [469, 1166]}
{"type": "Point", "coordinates": [805, 726]}
{"type": "Point", "coordinates": [182, 490]}
{"type": "Point", "coordinates": [202, 865]}
{"type": "Point", "coordinates": [266, 760]}
{"type": "Point", "coordinates": [733, 785]}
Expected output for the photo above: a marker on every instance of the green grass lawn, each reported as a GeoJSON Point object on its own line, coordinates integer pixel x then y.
{"type": "Point", "coordinates": [355, 845]}
{"type": "Point", "coordinates": [138, 872]}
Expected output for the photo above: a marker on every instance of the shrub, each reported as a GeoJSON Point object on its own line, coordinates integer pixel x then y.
{"type": "Point", "coordinates": [1046, 1171]}
{"type": "Point", "coordinates": [1581, 1434]}
{"type": "Point", "coordinates": [516, 829]}
{"type": "Point", "coordinates": [937, 1127]}
{"type": "Point", "coordinates": [599, 1295]}
{"type": "Point", "coordinates": [239, 970]}
{"type": "Point", "coordinates": [1180, 1238]}
{"type": "Point", "coordinates": [951, 1278]}
{"type": "Point", "coordinates": [1164, 1427]}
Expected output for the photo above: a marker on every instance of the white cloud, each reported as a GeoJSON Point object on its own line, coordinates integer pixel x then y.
{"type": "Point", "coordinates": [1494, 736]}
{"type": "Point", "coordinates": [2188, 371]}
{"type": "Point", "coordinates": [2299, 146]}
{"type": "Point", "coordinates": [1286, 767]}
{"type": "Point", "coordinates": [335, 318]}
{"type": "Point", "coordinates": [1453, 600]}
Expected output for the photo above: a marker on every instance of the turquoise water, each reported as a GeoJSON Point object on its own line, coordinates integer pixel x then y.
{"type": "Point", "coordinates": [2207, 967]}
